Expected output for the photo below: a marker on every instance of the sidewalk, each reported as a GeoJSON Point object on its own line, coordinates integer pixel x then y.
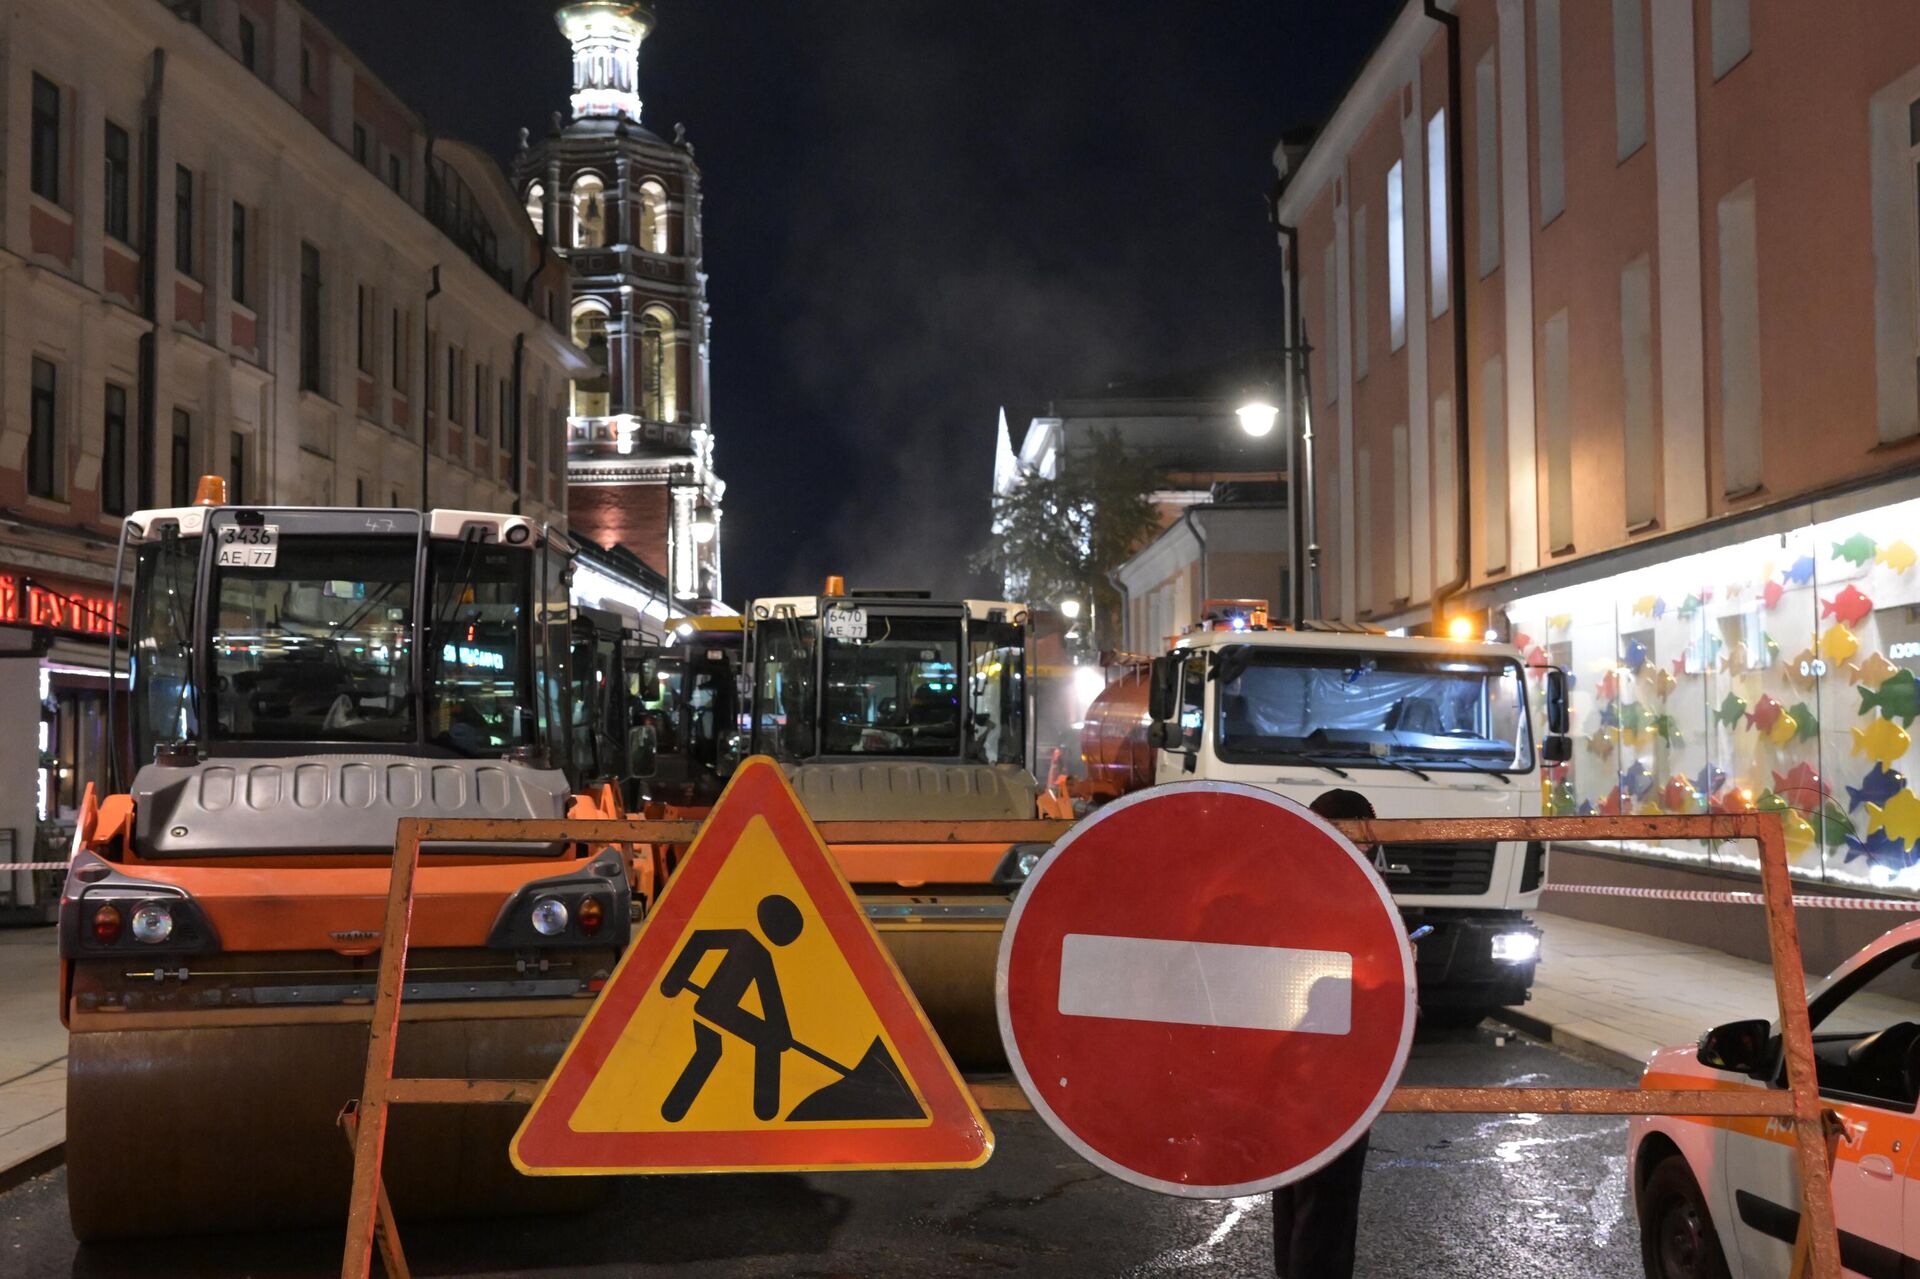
{"type": "Point", "coordinates": [1617, 996]}
{"type": "Point", "coordinates": [1601, 992]}
{"type": "Point", "coordinates": [33, 1053]}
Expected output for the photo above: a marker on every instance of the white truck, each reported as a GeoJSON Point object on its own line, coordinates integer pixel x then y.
{"type": "Point", "coordinates": [1420, 727]}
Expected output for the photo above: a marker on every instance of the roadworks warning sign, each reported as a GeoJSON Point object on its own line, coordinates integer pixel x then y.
{"type": "Point", "coordinates": [756, 1023]}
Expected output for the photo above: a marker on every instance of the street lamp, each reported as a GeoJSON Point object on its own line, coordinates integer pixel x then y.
{"type": "Point", "coordinates": [1070, 609]}
{"type": "Point", "coordinates": [1257, 416]}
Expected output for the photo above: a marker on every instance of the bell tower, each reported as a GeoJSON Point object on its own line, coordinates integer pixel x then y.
{"type": "Point", "coordinates": [622, 206]}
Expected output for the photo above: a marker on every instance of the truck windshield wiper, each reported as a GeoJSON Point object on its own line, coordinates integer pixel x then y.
{"type": "Point", "coordinates": [1403, 766]}
{"type": "Point", "coordinates": [1304, 757]}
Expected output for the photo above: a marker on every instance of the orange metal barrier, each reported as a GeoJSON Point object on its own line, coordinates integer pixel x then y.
{"type": "Point", "coordinates": [1817, 1252]}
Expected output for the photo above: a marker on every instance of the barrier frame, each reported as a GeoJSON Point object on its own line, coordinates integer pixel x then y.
{"type": "Point", "coordinates": [1816, 1253]}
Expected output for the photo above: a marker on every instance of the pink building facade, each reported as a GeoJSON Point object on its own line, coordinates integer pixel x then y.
{"type": "Point", "coordinates": [1643, 286]}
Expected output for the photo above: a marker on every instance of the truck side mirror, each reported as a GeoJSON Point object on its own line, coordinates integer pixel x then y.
{"type": "Point", "coordinates": [1163, 693]}
{"type": "Point", "coordinates": [1739, 1046]}
{"type": "Point", "coordinates": [1559, 718]}
{"type": "Point", "coordinates": [1557, 749]}
{"type": "Point", "coordinates": [642, 747]}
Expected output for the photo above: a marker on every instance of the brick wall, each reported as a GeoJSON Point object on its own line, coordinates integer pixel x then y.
{"type": "Point", "coordinates": [631, 515]}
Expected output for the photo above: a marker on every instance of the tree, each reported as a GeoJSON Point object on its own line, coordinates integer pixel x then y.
{"type": "Point", "coordinates": [1064, 536]}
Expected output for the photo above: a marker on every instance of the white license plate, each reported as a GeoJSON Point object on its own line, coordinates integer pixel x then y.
{"type": "Point", "coordinates": [847, 623]}
{"type": "Point", "coordinates": [249, 546]}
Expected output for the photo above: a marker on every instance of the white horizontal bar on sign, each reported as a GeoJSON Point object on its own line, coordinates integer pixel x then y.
{"type": "Point", "coordinates": [1196, 983]}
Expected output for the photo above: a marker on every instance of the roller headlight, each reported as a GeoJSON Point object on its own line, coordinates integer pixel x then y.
{"type": "Point", "coordinates": [152, 924]}
{"type": "Point", "coordinates": [549, 917]}
{"type": "Point", "coordinates": [1516, 948]}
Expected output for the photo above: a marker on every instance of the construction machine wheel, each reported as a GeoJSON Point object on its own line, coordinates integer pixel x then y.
{"type": "Point", "coordinates": [950, 969]}
{"type": "Point", "coordinates": [232, 1127]}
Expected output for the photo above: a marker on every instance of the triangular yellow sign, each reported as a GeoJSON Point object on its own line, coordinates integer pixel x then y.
{"type": "Point", "coordinates": [756, 1023]}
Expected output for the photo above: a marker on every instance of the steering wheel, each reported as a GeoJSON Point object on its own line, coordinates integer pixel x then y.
{"type": "Point", "coordinates": [340, 714]}
{"type": "Point", "coordinates": [1891, 1053]}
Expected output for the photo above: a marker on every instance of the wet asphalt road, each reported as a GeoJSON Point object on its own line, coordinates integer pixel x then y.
{"type": "Point", "coordinates": [1483, 1196]}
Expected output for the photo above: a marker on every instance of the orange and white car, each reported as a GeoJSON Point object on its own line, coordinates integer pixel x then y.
{"type": "Point", "coordinates": [1720, 1197]}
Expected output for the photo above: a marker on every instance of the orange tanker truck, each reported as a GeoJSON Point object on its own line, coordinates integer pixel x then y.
{"type": "Point", "coordinates": [299, 679]}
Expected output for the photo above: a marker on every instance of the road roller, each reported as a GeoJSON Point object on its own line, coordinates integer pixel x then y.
{"type": "Point", "coordinates": [890, 705]}
{"type": "Point", "coordinates": [298, 680]}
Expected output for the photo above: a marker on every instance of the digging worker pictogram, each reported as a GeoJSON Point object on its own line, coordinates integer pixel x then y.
{"type": "Point", "coordinates": [745, 962]}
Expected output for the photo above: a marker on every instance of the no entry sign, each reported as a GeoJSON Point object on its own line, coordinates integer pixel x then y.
{"type": "Point", "coordinates": [1206, 990]}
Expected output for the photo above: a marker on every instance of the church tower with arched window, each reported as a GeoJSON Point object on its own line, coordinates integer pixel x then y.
{"type": "Point", "coordinates": [622, 207]}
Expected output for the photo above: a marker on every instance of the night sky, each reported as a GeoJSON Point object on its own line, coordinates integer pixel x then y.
{"type": "Point", "coordinates": [917, 212]}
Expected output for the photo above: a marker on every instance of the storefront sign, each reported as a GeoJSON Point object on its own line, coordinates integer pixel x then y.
{"type": "Point", "coordinates": [54, 604]}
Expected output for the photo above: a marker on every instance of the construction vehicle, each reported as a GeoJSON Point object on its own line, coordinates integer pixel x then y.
{"type": "Point", "coordinates": [299, 680]}
{"type": "Point", "coordinates": [890, 705]}
{"type": "Point", "coordinates": [1421, 727]}
{"type": "Point", "coordinates": [691, 699]}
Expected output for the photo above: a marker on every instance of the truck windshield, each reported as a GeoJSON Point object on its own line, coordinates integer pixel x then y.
{"type": "Point", "coordinates": [480, 696]}
{"type": "Point", "coordinates": [317, 644]}
{"type": "Point", "coordinates": [1432, 711]}
{"type": "Point", "coordinates": [893, 687]}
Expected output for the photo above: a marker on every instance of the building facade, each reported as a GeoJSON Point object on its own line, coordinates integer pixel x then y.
{"type": "Point", "coordinates": [226, 247]}
{"type": "Point", "coordinates": [1614, 311]}
{"type": "Point", "coordinates": [621, 207]}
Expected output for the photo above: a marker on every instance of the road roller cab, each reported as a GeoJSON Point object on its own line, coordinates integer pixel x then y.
{"type": "Point", "coordinates": [299, 679]}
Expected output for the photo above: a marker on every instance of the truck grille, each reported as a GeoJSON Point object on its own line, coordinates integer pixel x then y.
{"type": "Point", "coordinates": [1440, 870]}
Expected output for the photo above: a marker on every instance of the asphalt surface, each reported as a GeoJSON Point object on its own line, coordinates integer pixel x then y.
{"type": "Point", "coordinates": [1484, 1196]}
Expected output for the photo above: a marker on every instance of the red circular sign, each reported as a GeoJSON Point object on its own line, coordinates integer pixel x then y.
{"type": "Point", "coordinates": [1206, 990]}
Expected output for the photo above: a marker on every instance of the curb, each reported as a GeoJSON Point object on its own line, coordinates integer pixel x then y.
{"type": "Point", "coordinates": [1577, 1045]}
{"type": "Point", "coordinates": [32, 1166]}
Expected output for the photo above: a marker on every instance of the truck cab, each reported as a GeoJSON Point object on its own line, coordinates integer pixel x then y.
{"type": "Point", "coordinates": [1421, 728]}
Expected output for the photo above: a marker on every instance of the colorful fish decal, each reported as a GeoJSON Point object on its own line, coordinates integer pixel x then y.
{"type": "Point", "coordinates": [1899, 556]}
{"type": "Point", "coordinates": [1735, 799]}
{"type": "Point", "coordinates": [1644, 605]}
{"type": "Point", "coordinates": [1688, 607]}
{"type": "Point", "coordinates": [1809, 723]}
{"type": "Point", "coordinates": [1765, 713]}
{"type": "Point", "coordinates": [1899, 817]}
{"type": "Point", "coordinates": [1856, 550]}
{"type": "Point", "coordinates": [1634, 717]}
{"type": "Point", "coordinates": [1613, 803]}
{"type": "Point", "coordinates": [1849, 606]}
{"type": "Point", "coordinates": [1637, 780]}
{"type": "Point", "coordinates": [1659, 609]}
{"type": "Point", "coordinates": [1837, 644]}
{"type": "Point", "coordinates": [1770, 594]}
{"type": "Point", "coordinates": [1831, 824]}
{"type": "Point", "coordinates": [1560, 621]}
{"type": "Point", "coordinates": [1801, 670]}
{"type": "Point", "coordinates": [1710, 779]}
{"type": "Point", "coordinates": [1898, 697]}
{"type": "Point", "coordinates": [1738, 660]}
{"type": "Point", "coordinates": [1801, 787]}
{"type": "Point", "coordinates": [1678, 795]}
{"type": "Point", "coordinates": [1883, 740]}
{"type": "Point", "coordinates": [1610, 714]}
{"type": "Point", "coordinates": [1873, 672]}
{"type": "Point", "coordinates": [1879, 849]}
{"type": "Point", "coordinates": [1559, 799]}
{"type": "Point", "coordinates": [1877, 787]}
{"type": "Point", "coordinates": [1679, 665]}
{"type": "Point", "coordinates": [1636, 655]}
{"type": "Point", "coordinates": [1586, 809]}
{"type": "Point", "coordinates": [1609, 686]}
{"type": "Point", "coordinates": [1666, 728]}
{"type": "Point", "coordinates": [1784, 729]}
{"type": "Point", "coordinates": [1604, 742]}
{"type": "Point", "coordinates": [1733, 708]}
{"type": "Point", "coordinates": [1801, 572]}
{"type": "Point", "coordinates": [1799, 832]}
{"type": "Point", "coordinates": [1660, 681]}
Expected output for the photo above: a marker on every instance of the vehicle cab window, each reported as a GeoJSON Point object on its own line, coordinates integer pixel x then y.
{"type": "Point", "coordinates": [1193, 702]}
{"type": "Point", "coordinates": [1867, 1045]}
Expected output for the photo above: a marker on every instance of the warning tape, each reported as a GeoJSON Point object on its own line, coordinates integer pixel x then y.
{"type": "Point", "coordinates": [1736, 899]}
{"type": "Point", "coordinates": [33, 866]}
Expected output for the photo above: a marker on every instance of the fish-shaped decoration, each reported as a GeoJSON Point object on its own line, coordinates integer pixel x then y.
{"type": "Point", "coordinates": [1706, 595]}
{"type": "Point", "coordinates": [1769, 649]}
{"type": "Point", "coordinates": [1801, 572]}
{"type": "Point", "coordinates": [1897, 556]}
{"type": "Point", "coordinates": [1899, 817]}
{"type": "Point", "coordinates": [1521, 639]}
{"type": "Point", "coordinates": [1659, 609]}
{"type": "Point", "coordinates": [1879, 849]}
{"type": "Point", "coordinates": [1667, 728]}
{"type": "Point", "coordinates": [1604, 742]}
{"type": "Point", "coordinates": [1537, 657]}
{"type": "Point", "coordinates": [1801, 671]}
{"type": "Point", "coordinates": [1769, 802]}
{"type": "Point", "coordinates": [1765, 713]}
{"type": "Point", "coordinates": [1637, 780]}
{"type": "Point", "coordinates": [1609, 686]}
{"type": "Point", "coordinates": [1877, 787]}
{"type": "Point", "coordinates": [1710, 651]}
{"type": "Point", "coordinates": [1710, 779]}
{"type": "Point", "coordinates": [1636, 655]}
{"type": "Point", "coordinates": [1560, 621]}
{"type": "Point", "coordinates": [1837, 644]}
{"type": "Point", "coordinates": [1848, 606]}
{"type": "Point", "coordinates": [1856, 550]}
{"type": "Point", "coordinates": [1799, 832]}
{"type": "Point", "coordinates": [1831, 824]}
{"type": "Point", "coordinates": [1873, 671]}
{"type": "Point", "coordinates": [1610, 714]}
{"type": "Point", "coordinates": [1737, 660]}
{"type": "Point", "coordinates": [1634, 716]}
{"type": "Point", "coordinates": [1559, 799]}
{"type": "Point", "coordinates": [1809, 723]}
{"type": "Point", "coordinates": [1883, 740]}
{"type": "Point", "coordinates": [1688, 607]}
{"type": "Point", "coordinates": [1650, 807]}
{"type": "Point", "coordinates": [1643, 606]}
{"type": "Point", "coordinates": [1660, 681]}
{"type": "Point", "coordinates": [1585, 809]}
{"type": "Point", "coordinates": [1770, 594]}
{"type": "Point", "coordinates": [1679, 665]}
{"type": "Point", "coordinates": [1735, 799]}
{"type": "Point", "coordinates": [1679, 796]}
{"type": "Point", "coordinates": [1614, 802]}
{"type": "Point", "coordinates": [1801, 787]}
{"type": "Point", "coordinates": [1784, 729]}
{"type": "Point", "coordinates": [1733, 708]}
{"type": "Point", "coordinates": [1898, 697]}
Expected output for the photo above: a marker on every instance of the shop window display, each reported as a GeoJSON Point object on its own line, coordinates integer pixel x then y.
{"type": "Point", "coordinates": [1779, 673]}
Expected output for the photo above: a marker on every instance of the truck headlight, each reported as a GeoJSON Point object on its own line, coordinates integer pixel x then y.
{"type": "Point", "coordinates": [1516, 948]}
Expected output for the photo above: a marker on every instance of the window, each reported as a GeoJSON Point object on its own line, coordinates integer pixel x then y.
{"type": "Point", "coordinates": [453, 384]}
{"type": "Point", "coordinates": [182, 458]}
{"type": "Point", "coordinates": [118, 189]}
{"type": "Point", "coordinates": [1437, 246]}
{"type": "Point", "coordinates": [1402, 517]}
{"type": "Point", "coordinates": [242, 292]}
{"type": "Point", "coordinates": [509, 427]}
{"type": "Point", "coordinates": [363, 331]}
{"type": "Point", "coordinates": [659, 389]}
{"type": "Point", "coordinates": [184, 257]}
{"type": "Point", "coordinates": [46, 139]}
{"type": "Point", "coordinates": [236, 468]}
{"type": "Point", "coordinates": [359, 491]}
{"type": "Point", "coordinates": [1361, 276]}
{"type": "Point", "coordinates": [306, 66]}
{"type": "Point", "coordinates": [113, 459]}
{"type": "Point", "coordinates": [1366, 581]}
{"type": "Point", "coordinates": [1879, 997]}
{"type": "Point", "coordinates": [653, 217]}
{"type": "Point", "coordinates": [360, 143]}
{"type": "Point", "coordinates": [249, 44]}
{"type": "Point", "coordinates": [402, 339]}
{"type": "Point", "coordinates": [431, 383]}
{"type": "Point", "coordinates": [1642, 449]}
{"type": "Point", "coordinates": [1552, 158]}
{"type": "Point", "coordinates": [1732, 35]}
{"type": "Point", "coordinates": [311, 375]}
{"type": "Point", "coordinates": [537, 208]}
{"type": "Point", "coordinates": [43, 442]}
{"type": "Point", "coordinates": [589, 212]}
{"type": "Point", "coordinates": [1739, 341]}
{"type": "Point", "coordinates": [1397, 255]}
{"type": "Point", "coordinates": [1486, 161]}
{"type": "Point", "coordinates": [396, 174]}
{"type": "Point", "coordinates": [1629, 79]}
{"type": "Point", "coordinates": [1557, 430]}
{"type": "Point", "coordinates": [480, 426]}
{"type": "Point", "coordinates": [1493, 462]}
{"type": "Point", "coordinates": [1330, 344]}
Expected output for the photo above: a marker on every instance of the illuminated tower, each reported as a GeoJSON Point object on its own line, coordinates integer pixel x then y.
{"type": "Point", "coordinates": [622, 206]}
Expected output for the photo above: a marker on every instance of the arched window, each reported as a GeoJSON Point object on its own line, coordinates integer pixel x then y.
{"type": "Point", "coordinates": [659, 378]}
{"type": "Point", "coordinates": [537, 208]}
{"type": "Point", "coordinates": [589, 212]}
{"type": "Point", "coordinates": [653, 217]}
{"type": "Point", "coordinates": [590, 393]}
